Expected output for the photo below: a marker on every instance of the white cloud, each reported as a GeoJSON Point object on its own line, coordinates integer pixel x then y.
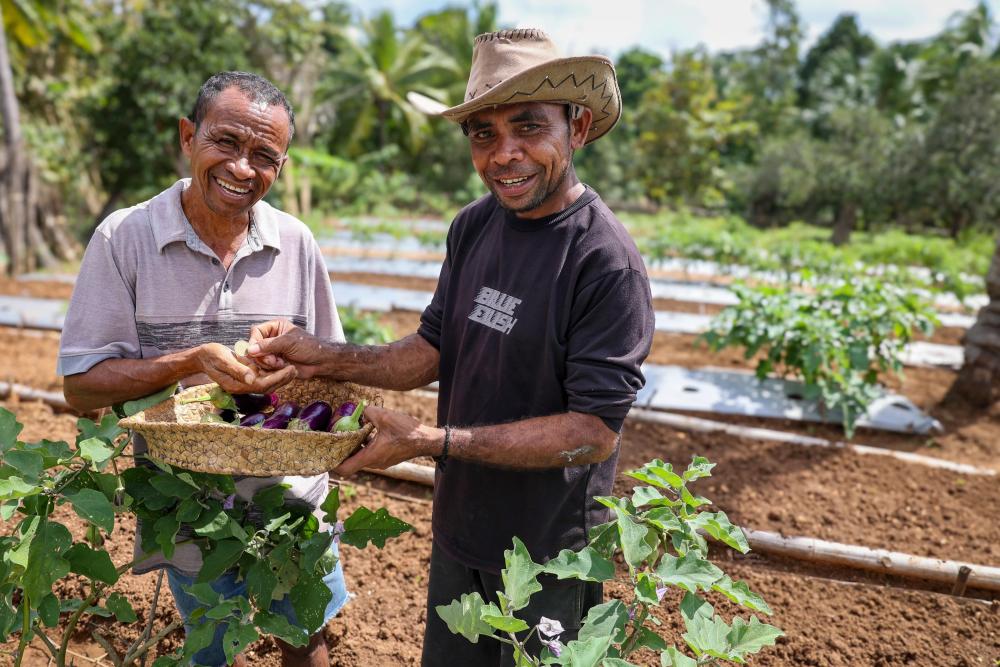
{"type": "Point", "coordinates": [611, 26]}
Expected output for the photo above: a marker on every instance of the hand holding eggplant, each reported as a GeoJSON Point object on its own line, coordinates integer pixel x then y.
{"type": "Point", "coordinates": [398, 437]}
{"type": "Point", "coordinates": [220, 364]}
{"type": "Point", "coordinates": [278, 343]}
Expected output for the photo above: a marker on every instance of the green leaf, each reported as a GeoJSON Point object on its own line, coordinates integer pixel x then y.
{"type": "Point", "coordinates": [189, 510]}
{"type": "Point", "coordinates": [707, 635]}
{"type": "Point", "coordinates": [740, 593]}
{"type": "Point", "coordinates": [28, 463]}
{"type": "Point", "coordinates": [604, 538]}
{"type": "Point", "coordinates": [749, 638]}
{"type": "Point", "coordinates": [237, 638]}
{"type": "Point", "coordinates": [96, 451]}
{"type": "Point", "coordinates": [9, 430]}
{"type": "Point", "coordinates": [204, 594]}
{"type": "Point", "coordinates": [493, 617]}
{"type": "Point", "coordinates": [8, 509]}
{"type": "Point", "coordinates": [15, 487]}
{"type": "Point", "coordinates": [130, 408]}
{"type": "Point", "coordinates": [635, 546]}
{"type": "Point", "coordinates": [651, 640]}
{"type": "Point", "coordinates": [645, 589]}
{"type": "Point", "coordinates": [674, 658]}
{"type": "Point", "coordinates": [659, 474]}
{"type": "Point", "coordinates": [689, 572]}
{"type": "Point", "coordinates": [53, 452]}
{"type": "Point", "coordinates": [616, 662]}
{"type": "Point", "coordinates": [520, 577]}
{"type": "Point", "coordinates": [364, 525]}
{"type": "Point", "coordinates": [644, 495]}
{"type": "Point", "coordinates": [585, 653]}
{"type": "Point", "coordinates": [119, 605]}
{"type": "Point", "coordinates": [313, 549]}
{"type": "Point", "coordinates": [168, 661]}
{"type": "Point", "coordinates": [309, 597]}
{"type": "Point", "coordinates": [464, 617]}
{"type": "Point", "coordinates": [278, 625]}
{"type": "Point", "coordinates": [692, 606]}
{"type": "Point", "coordinates": [199, 637]}
{"type": "Point", "coordinates": [605, 620]}
{"type": "Point", "coordinates": [107, 430]}
{"type": "Point", "coordinates": [95, 507]}
{"type": "Point", "coordinates": [586, 564]}
{"type": "Point", "coordinates": [175, 486]}
{"type": "Point", "coordinates": [223, 555]}
{"type": "Point", "coordinates": [166, 528]}
{"type": "Point", "coordinates": [45, 562]}
{"type": "Point", "coordinates": [91, 564]}
{"type": "Point", "coordinates": [48, 610]}
{"type": "Point", "coordinates": [691, 500]}
{"type": "Point", "coordinates": [331, 505]}
{"type": "Point", "coordinates": [699, 467]}
{"type": "Point", "coordinates": [261, 582]}
{"type": "Point", "coordinates": [270, 498]}
{"type": "Point", "coordinates": [718, 526]}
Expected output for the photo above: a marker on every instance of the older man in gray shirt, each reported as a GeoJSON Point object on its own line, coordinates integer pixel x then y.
{"type": "Point", "coordinates": [167, 286]}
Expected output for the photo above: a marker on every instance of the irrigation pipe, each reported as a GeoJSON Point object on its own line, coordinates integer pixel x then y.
{"type": "Point", "coordinates": [686, 423]}
{"type": "Point", "coordinates": [53, 398]}
{"type": "Point", "coordinates": [816, 551]}
{"type": "Point", "coordinates": [873, 560]}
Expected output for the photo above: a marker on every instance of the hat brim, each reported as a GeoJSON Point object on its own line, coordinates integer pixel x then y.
{"type": "Point", "coordinates": [585, 80]}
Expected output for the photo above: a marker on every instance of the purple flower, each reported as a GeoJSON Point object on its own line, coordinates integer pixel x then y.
{"type": "Point", "coordinates": [338, 530]}
{"type": "Point", "coordinates": [660, 592]}
{"type": "Point", "coordinates": [227, 503]}
{"type": "Point", "coordinates": [631, 613]}
{"type": "Point", "coordinates": [554, 646]}
{"type": "Point", "coordinates": [549, 627]}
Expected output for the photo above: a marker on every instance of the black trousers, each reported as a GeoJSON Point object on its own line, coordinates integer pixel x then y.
{"type": "Point", "coordinates": [566, 601]}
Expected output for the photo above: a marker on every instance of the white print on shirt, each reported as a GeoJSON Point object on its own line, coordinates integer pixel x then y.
{"type": "Point", "coordinates": [495, 309]}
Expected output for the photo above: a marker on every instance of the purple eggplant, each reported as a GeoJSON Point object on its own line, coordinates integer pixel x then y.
{"type": "Point", "coordinates": [255, 419]}
{"type": "Point", "coordinates": [345, 409]}
{"type": "Point", "coordinates": [282, 414]}
{"type": "Point", "coordinates": [351, 422]}
{"type": "Point", "coordinates": [314, 417]}
{"type": "Point", "coordinates": [250, 403]}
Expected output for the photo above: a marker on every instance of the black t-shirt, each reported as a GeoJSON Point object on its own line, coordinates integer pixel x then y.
{"type": "Point", "coordinates": [533, 318]}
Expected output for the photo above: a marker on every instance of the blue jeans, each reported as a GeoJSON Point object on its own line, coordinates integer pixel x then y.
{"type": "Point", "coordinates": [228, 586]}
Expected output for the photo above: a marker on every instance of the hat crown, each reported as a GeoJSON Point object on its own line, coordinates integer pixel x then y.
{"type": "Point", "coordinates": [498, 56]}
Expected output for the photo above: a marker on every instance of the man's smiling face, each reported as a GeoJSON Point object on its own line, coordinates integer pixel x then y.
{"type": "Point", "coordinates": [523, 152]}
{"type": "Point", "coordinates": [236, 153]}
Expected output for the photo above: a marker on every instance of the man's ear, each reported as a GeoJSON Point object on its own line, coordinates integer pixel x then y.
{"type": "Point", "coordinates": [580, 128]}
{"type": "Point", "coordinates": [283, 162]}
{"type": "Point", "coordinates": [186, 130]}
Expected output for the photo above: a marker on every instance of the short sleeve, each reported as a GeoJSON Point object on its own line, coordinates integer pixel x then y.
{"type": "Point", "coordinates": [100, 322]}
{"type": "Point", "coordinates": [433, 316]}
{"type": "Point", "coordinates": [325, 320]}
{"type": "Point", "coordinates": [611, 331]}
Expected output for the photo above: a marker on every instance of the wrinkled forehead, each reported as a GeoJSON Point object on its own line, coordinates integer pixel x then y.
{"type": "Point", "coordinates": [235, 112]}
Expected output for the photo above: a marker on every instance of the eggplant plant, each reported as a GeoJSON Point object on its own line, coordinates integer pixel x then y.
{"type": "Point", "coordinates": [279, 548]}
{"type": "Point", "coordinates": [659, 533]}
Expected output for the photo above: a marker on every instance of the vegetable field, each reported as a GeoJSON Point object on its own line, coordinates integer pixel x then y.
{"type": "Point", "coordinates": [830, 614]}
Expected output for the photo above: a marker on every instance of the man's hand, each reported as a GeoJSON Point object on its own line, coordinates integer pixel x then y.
{"type": "Point", "coordinates": [397, 437]}
{"type": "Point", "coordinates": [220, 364]}
{"type": "Point", "coordinates": [278, 343]}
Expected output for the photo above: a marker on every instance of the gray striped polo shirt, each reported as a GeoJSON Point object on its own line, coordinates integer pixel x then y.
{"type": "Point", "coordinates": [148, 286]}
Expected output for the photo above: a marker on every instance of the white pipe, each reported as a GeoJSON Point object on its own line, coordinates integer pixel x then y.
{"type": "Point", "coordinates": [410, 472]}
{"type": "Point", "coordinates": [53, 398]}
{"type": "Point", "coordinates": [686, 423]}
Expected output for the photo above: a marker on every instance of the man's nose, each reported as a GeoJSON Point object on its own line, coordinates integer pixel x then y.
{"type": "Point", "coordinates": [508, 150]}
{"type": "Point", "coordinates": [240, 168]}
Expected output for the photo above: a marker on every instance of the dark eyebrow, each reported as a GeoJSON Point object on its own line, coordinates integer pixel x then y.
{"type": "Point", "coordinates": [478, 124]}
{"type": "Point", "coordinates": [527, 115]}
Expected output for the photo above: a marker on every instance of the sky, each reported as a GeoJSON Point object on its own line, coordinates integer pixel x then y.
{"type": "Point", "coordinates": [662, 26]}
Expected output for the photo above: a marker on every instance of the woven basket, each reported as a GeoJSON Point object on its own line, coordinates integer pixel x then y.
{"type": "Point", "coordinates": [176, 435]}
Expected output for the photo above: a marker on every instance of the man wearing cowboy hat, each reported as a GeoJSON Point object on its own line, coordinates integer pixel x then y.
{"type": "Point", "coordinates": [540, 321]}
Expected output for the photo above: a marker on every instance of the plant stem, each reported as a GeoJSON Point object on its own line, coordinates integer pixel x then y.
{"type": "Point", "coordinates": [633, 638]}
{"type": "Point", "coordinates": [130, 653]}
{"type": "Point", "coordinates": [156, 639]}
{"type": "Point", "coordinates": [71, 624]}
{"type": "Point", "coordinates": [22, 645]}
{"type": "Point", "coordinates": [48, 642]}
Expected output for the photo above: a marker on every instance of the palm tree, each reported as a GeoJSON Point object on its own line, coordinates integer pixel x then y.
{"type": "Point", "coordinates": [379, 64]}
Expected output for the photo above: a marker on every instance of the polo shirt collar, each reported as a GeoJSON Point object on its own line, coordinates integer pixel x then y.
{"type": "Point", "coordinates": [170, 224]}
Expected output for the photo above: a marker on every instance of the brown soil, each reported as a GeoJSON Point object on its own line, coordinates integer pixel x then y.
{"type": "Point", "coordinates": [830, 616]}
{"type": "Point", "coordinates": [39, 289]}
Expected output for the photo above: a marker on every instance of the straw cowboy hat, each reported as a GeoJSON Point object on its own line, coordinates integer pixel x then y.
{"type": "Point", "coordinates": [523, 65]}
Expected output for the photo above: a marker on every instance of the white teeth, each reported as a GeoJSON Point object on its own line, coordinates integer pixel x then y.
{"type": "Point", "coordinates": [513, 181]}
{"type": "Point", "coordinates": [232, 188]}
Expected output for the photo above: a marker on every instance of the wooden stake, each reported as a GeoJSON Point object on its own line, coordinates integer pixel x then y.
{"type": "Point", "coordinates": [873, 560]}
